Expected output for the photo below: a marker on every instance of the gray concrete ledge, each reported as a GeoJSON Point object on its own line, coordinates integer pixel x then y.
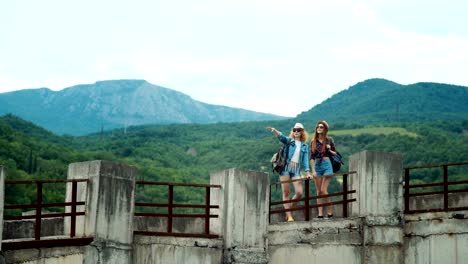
{"type": "Point", "coordinates": [321, 232]}
{"type": "Point", "coordinates": [35, 255]}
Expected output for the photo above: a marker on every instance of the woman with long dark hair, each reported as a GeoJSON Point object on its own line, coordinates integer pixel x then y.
{"type": "Point", "coordinates": [321, 149]}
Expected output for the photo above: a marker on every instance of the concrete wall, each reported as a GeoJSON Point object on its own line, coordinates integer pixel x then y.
{"type": "Point", "coordinates": [153, 249]}
{"type": "Point", "coordinates": [25, 228]}
{"type": "Point", "coordinates": [318, 241]}
{"type": "Point", "coordinates": [436, 238]}
{"type": "Point", "coordinates": [56, 255]}
{"type": "Point", "coordinates": [179, 225]}
{"type": "Point", "coordinates": [437, 201]}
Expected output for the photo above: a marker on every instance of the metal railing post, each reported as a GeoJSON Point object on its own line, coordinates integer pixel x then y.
{"type": "Point", "coordinates": [406, 197]}
{"type": "Point", "coordinates": [169, 208]}
{"type": "Point", "coordinates": [73, 210]}
{"type": "Point", "coordinates": [345, 195]}
{"type": "Point", "coordinates": [37, 227]}
{"type": "Point", "coordinates": [307, 201]}
{"type": "Point", "coordinates": [207, 210]}
{"type": "Point", "coordinates": [445, 168]}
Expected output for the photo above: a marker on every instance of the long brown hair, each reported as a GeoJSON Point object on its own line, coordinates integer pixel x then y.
{"type": "Point", "coordinates": [313, 143]}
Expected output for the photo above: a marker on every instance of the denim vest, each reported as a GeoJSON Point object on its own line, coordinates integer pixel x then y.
{"type": "Point", "coordinates": [303, 154]}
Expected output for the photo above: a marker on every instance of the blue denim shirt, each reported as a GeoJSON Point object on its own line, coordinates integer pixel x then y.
{"type": "Point", "coordinates": [304, 153]}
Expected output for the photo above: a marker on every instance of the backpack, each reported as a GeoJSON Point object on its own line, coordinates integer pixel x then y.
{"type": "Point", "coordinates": [278, 161]}
{"type": "Point", "coordinates": [336, 161]}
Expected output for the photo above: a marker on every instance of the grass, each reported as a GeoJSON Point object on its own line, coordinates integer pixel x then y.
{"type": "Point", "coordinates": [373, 131]}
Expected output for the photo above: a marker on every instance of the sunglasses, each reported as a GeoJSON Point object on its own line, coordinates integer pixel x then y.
{"type": "Point", "coordinates": [320, 127]}
{"type": "Point", "coordinates": [297, 129]}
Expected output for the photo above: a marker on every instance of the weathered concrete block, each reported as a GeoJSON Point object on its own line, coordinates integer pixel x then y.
{"type": "Point", "coordinates": [153, 249]}
{"type": "Point", "coordinates": [341, 231]}
{"type": "Point", "coordinates": [317, 254]}
{"type": "Point", "coordinates": [110, 206]}
{"type": "Point", "coordinates": [383, 235]}
{"type": "Point", "coordinates": [110, 200]}
{"type": "Point", "coordinates": [383, 254]}
{"type": "Point", "coordinates": [25, 228]}
{"type": "Point", "coordinates": [243, 216]}
{"type": "Point", "coordinates": [107, 252]}
{"type": "Point", "coordinates": [434, 224]}
{"type": "Point", "coordinates": [444, 248]}
{"type": "Point", "coordinates": [57, 255]}
{"type": "Point", "coordinates": [378, 183]}
{"type": "Point", "coordinates": [435, 238]}
{"type": "Point", "coordinates": [247, 256]}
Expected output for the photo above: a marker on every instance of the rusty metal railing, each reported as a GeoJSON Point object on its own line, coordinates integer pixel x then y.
{"type": "Point", "coordinates": [170, 215]}
{"type": "Point", "coordinates": [307, 206]}
{"type": "Point", "coordinates": [445, 184]}
{"type": "Point", "coordinates": [38, 216]}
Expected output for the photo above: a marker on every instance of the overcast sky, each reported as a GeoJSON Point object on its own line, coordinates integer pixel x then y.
{"type": "Point", "coordinates": [275, 56]}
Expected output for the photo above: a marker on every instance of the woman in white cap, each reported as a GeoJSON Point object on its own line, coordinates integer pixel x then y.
{"type": "Point", "coordinates": [297, 157]}
{"type": "Point", "coordinates": [321, 147]}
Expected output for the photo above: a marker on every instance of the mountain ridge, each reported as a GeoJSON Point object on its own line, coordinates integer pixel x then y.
{"type": "Point", "coordinates": [88, 108]}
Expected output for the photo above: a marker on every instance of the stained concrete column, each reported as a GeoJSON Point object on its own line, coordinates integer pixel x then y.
{"type": "Point", "coordinates": [243, 214]}
{"type": "Point", "coordinates": [110, 205]}
{"type": "Point", "coordinates": [378, 185]}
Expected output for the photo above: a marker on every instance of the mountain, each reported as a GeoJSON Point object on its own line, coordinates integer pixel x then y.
{"type": "Point", "coordinates": [383, 101]}
{"type": "Point", "coordinates": [83, 109]}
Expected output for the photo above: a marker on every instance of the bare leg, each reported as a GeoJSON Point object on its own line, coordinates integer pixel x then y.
{"type": "Point", "coordinates": [324, 191]}
{"type": "Point", "coordinates": [286, 191]}
{"type": "Point", "coordinates": [298, 190]}
{"type": "Point", "coordinates": [318, 187]}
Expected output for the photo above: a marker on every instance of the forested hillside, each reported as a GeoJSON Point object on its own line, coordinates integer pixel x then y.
{"type": "Point", "coordinates": [379, 101]}
{"type": "Point", "coordinates": [188, 153]}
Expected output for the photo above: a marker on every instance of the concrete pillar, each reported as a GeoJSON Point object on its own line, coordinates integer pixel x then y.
{"type": "Point", "coordinates": [243, 214]}
{"type": "Point", "coordinates": [379, 192]}
{"type": "Point", "coordinates": [110, 205]}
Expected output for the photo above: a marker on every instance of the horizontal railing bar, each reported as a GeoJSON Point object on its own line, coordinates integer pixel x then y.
{"type": "Point", "coordinates": [425, 185]}
{"type": "Point", "coordinates": [175, 205]}
{"type": "Point", "coordinates": [174, 215]}
{"type": "Point", "coordinates": [424, 193]}
{"type": "Point", "coordinates": [313, 197]}
{"type": "Point", "coordinates": [22, 206]}
{"type": "Point", "coordinates": [436, 210]}
{"type": "Point", "coordinates": [436, 184]}
{"type": "Point", "coordinates": [45, 181]}
{"type": "Point", "coordinates": [24, 217]}
{"type": "Point", "coordinates": [435, 192]}
{"type": "Point", "coordinates": [302, 207]}
{"type": "Point", "coordinates": [437, 165]}
{"type": "Point", "coordinates": [307, 179]}
{"type": "Point", "coordinates": [15, 245]}
{"type": "Point", "coordinates": [149, 233]}
{"type": "Point", "coordinates": [178, 184]}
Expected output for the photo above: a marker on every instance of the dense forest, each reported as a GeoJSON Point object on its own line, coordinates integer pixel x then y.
{"type": "Point", "coordinates": [188, 153]}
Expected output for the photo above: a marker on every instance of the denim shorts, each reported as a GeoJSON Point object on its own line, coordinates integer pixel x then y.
{"type": "Point", "coordinates": [323, 167]}
{"type": "Point", "coordinates": [292, 170]}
